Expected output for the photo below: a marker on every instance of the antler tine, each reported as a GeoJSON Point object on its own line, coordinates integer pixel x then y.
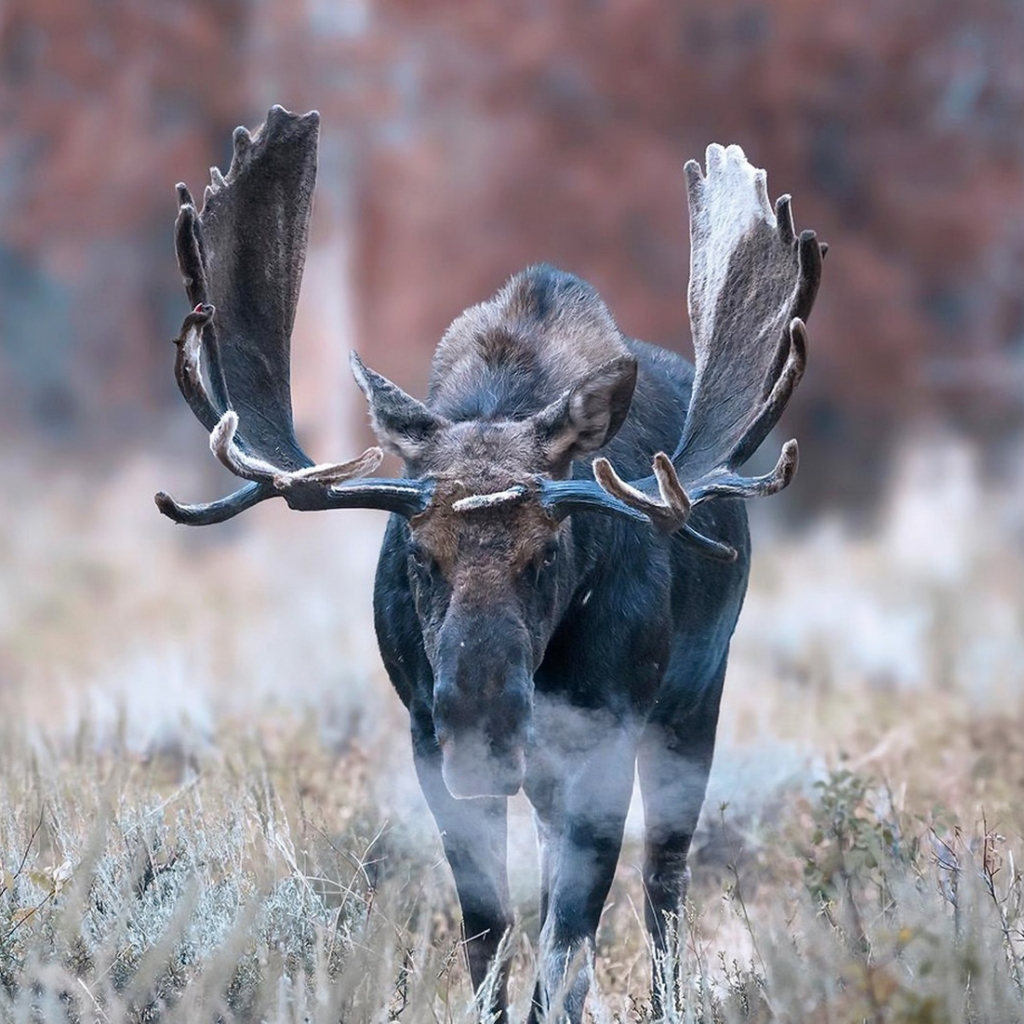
{"type": "Point", "coordinates": [188, 246]}
{"type": "Point", "coordinates": [328, 474]}
{"type": "Point", "coordinates": [222, 444]}
{"type": "Point", "coordinates": [713, 549]}
{"type": "Point", "coordinates": [810, 254]}
{"type": "Point", "coordinates": [241, 141]}
{"type": "Point", "coordinates": [211, 512]}
{"type": "Point", "coordinates": [732, 485]}
{"type": "Point", "coordinates": [779, 387]}
{"type": "Point", "coordinates": [784, 216]}
{"type": "Point", "coordinates": [187, 369]}
{"type": "Point", "coordinates": [669, 513]}
{"type": "Point", "coordinates": [249, 467]}
{"type": "Point", "coordinates": [190, 249]}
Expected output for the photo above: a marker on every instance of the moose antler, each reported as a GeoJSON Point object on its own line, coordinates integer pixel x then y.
{"type": "Point", "coordinates": [752, 284]}
{"type": "Point", "coordinates": [242, 258]}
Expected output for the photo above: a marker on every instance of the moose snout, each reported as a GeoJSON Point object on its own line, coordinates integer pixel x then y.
{"type": "Point", "coordinates": [471, 768]}
{"type": "Point", "coordinates": [483, 696]}
{"type": "Point", "coordinates": [483, 742]}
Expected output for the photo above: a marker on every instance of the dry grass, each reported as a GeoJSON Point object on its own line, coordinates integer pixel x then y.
{"type": "Point", "coordinates": [207, 809]}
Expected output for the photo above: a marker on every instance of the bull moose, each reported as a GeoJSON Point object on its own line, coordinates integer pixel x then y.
{"type": "Point", "coordinates": [555, 594]}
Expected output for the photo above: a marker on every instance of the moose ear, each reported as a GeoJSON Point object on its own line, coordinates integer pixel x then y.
{"type": "Point", "coordinates": [402, 424]}
{"type": "Point", "coordinates": [587, 416]}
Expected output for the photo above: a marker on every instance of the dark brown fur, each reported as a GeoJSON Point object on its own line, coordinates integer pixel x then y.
{"type": "Point", "coordinates": [551, 333]}
{"type": "Point", "coordinates": [484, 550]}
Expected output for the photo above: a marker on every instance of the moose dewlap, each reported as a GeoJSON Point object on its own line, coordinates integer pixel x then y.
{"type": "Point", "coordinates": [566, 556]}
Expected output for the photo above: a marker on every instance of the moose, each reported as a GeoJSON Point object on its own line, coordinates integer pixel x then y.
{"type": "Point", "coordinates": [555, 594]}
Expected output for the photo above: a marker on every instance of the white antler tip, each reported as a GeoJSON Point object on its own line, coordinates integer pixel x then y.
{"type": "Point", "coordinates": [604, 474]}
{"type": "Point", "coordinates": [223, 434]}
{"type": "Point", "coordinates": [694, 173]}
{"type": "Point", "coordinates": [673, 494]}
{"type": "Point", "coordinates": [358, 368]}
{"type": "Point", "coordinates": [789, 461]}
{"type": "Point", "coordinates": [714, 157]}
{"type": "Point", "coordinates": [798, 338]}
{"type": "Point", "coordinates": [242, 142]}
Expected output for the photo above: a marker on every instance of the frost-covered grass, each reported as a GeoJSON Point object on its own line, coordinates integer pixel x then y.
{"type": "Point", "coordinates": [255, 881]}
{"type": "Point", "coordinates": [245, 883]}
{"type": "Point", "coordinates": [207, 808]}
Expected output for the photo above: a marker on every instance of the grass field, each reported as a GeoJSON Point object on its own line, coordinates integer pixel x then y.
{"type": "Point", "coordinates": [208, 812]}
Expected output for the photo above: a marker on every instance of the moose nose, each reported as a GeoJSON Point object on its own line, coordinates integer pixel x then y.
{"type": "Point", "coordinates": [501, 715]}
{"type": "Point", "coordinates": [483, 740]}
{"type": "Point", "coordinates": [471, 768]}
{"type": "Point", "coordinates": [480, 652]}
{"type": "Point", "coordinates": [482, 706]}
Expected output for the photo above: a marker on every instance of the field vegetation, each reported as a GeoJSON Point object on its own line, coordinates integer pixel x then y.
{"type": "Point", "coordinates": [208, 811]}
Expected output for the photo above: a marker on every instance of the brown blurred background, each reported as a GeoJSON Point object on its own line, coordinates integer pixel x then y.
{"type": "Point", "coordinates": [461, 141]}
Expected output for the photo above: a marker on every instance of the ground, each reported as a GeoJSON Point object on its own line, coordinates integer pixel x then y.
{"type": "Point", "coordinates": [207, 807]}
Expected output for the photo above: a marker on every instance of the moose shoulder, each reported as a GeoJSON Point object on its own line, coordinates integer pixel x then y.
{"type": "Point", "coordinates": [556, 593]}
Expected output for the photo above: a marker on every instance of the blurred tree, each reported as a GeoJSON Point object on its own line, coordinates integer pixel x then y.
{"type": "Point", "coordinates": [463, 141]}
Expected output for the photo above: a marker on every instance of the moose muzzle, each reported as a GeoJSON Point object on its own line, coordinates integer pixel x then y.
{"type": "Point", "coordinates": [483, 695]}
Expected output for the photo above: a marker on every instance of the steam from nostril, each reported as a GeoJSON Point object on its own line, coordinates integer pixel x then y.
{"type": "Point", "coordinates": [473, 765]}
{"type": "Point", "coordinates": [482, 711]}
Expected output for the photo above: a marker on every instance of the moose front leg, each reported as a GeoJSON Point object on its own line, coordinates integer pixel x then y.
{"type": "Point", "coordinates": [674, 761]}
{"type": "Point", "coordinates": [581, 798]}
{"type": "Point", "coordinates": [474, 834]}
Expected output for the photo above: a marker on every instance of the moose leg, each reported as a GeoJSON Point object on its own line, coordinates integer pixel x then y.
{"type": "Point", "coordinates": [673, 762]}
{"type": "Point", "coordinates": [547, 844]}
{"type": "Point", "coordinates": [474, 834]}
{"type": "Point", "coordinates": [581, 801]}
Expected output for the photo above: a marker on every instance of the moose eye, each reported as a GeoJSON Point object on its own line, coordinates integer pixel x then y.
{"type": "Point", "coordinates": [550, 556]}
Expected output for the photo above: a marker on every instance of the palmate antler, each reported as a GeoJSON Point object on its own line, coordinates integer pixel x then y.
{"type": "Point", "coordinates": [242, 259]}
{"type": "Point", "coordinates": [752, 284]}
